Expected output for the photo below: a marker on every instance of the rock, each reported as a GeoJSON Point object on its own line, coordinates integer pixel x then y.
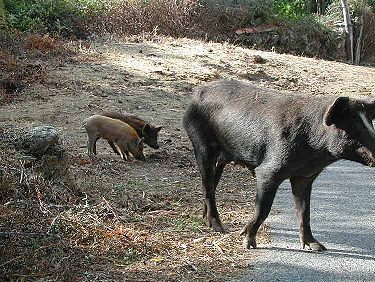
{"type": "Point", "coordinates": [259, 60]}
{"type": "Point", "coordinates": [39, 141]}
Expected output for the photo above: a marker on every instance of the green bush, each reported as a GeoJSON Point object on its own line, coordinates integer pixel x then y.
{"type": "Point", "coordinates": [49, 16]}
{"type": "Point", "coordinates": [290, 9]}
{"type": "Point", "coordinates": [258, 12]}
{"type": "Point", "coordinates": [356, 8]}
{"type": "Point", "coordinates": [372, 4]}
{"type": "Point", "coordinates": [360, 7]}
{"type": "Point", "coordinates": [2, 15]}
{"type": "Point", "coordinates": [65, 17]}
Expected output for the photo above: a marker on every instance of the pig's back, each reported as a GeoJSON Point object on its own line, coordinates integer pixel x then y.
{"type": "Point", "coordinates": [134, 121]}
{"type": "Point", "coordinates": [248, 121]}
{"type": "Point", "coordinates": [110, 128]}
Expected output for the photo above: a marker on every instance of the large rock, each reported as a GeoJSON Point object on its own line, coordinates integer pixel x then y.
{"type": "Point", "coordinates": [39, 141]}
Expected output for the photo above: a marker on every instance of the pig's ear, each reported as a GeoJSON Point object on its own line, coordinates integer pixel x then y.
{"type": "Point", "coordinates": [336, 111]}
{"type": "Point", "coordinates": [146, 129]}
{"type": "Point", "coordinates": [158, 128]}
{"type": "Point", "coordinates": [370, 107]}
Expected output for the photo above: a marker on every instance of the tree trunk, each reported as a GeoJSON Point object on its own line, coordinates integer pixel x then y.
{"type": "Point", "coordinates": [320, 7]}
{"type": "Point", "coordinates": [348, 29]}
{"type": "Point", "coordinates": [2, 15]}
{"type": "Point", "coordinates": [358, 40]}
{"type": "Point", "coordinates": [309, 6]}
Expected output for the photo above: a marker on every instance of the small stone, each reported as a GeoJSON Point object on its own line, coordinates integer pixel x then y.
{"type": "Point", "coordinates": [259, 60]}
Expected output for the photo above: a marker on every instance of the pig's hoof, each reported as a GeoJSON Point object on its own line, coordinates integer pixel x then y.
{"type": "Point", "coordinates": [215, 224]}
{"type": "Point", "coordinates": [218, 228]}
{"type": "Point", "coordinates": [314, 246]}
{"type": "Point", "coordinates": [93, 158]}
{"type": "Point", "coordinates": [249, 242]}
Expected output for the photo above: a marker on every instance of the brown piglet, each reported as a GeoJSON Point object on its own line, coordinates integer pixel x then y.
{"type": "Point", "coordinates": [144, 129]}
{"type": "Point", "coordinates": [122, 137]}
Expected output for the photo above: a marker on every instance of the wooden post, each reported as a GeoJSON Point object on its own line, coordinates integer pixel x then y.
{"type": "Point", "coordinates": [348, 29]}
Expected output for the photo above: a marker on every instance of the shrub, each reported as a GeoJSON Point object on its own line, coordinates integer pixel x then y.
{"type": "Point", "coordinates": [356, 8]}
{"type": "Point", "coordinates": [2, 15]}
{"type": "Point", "coordinates": [290, 9]}
{"type": "Point", "coordinates": [180, 18]}
{"type": "Point", "coordinates": [210, 19]}
{"type": "Point", "coordinates": [61, 17]}
{"type": "Point", "coordinates": [137, 16]}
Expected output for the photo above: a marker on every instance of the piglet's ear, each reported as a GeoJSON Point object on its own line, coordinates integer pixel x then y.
{"type": "Point", "coordinates": [146, 129]}
{"type": "Point", "coordinates": [336, 111]}
{"type": "Point", "coordinates": [159, 128]}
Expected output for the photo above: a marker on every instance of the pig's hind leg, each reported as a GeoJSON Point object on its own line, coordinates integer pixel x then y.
{"type": "Point", "coordinates": [206, 157]}
{"type": "Point", "coordinates": [218, 171]}
{"type": "Point", "coordinates": [121, 151]}
{"type": "Point", "coordinates": [91, 143]}
{"type": "Point", "coordinates": [206, 153]}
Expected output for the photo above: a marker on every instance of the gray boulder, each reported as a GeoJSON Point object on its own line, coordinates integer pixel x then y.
{"type": "Point", "coordinates": [39, 141]}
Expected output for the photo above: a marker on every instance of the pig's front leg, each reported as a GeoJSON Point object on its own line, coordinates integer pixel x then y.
{"type": "Point", "coordinates": [114, 148]}
{"type": "Point", "coordinates": [301, 188]}
{"type": "Point", "coordinates": [267, 185]}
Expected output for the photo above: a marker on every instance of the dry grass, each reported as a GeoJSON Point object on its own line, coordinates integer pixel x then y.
{"type": "Point", "coordinates": [42, 43]}
{"type": "Point", "coordinates": [62, 229]}
{"type": "Point", "coordinates": [214, 20]}
{"type": "Point", "coordinates": [23, 62]}
{"type": "Point", "coordinates": [60, 221]}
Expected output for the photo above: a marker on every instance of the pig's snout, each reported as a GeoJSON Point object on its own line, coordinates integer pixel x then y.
{"type": "Point", "coordinates": [154, 145]}
{"type": "Point", "coordinates": [141, 158]}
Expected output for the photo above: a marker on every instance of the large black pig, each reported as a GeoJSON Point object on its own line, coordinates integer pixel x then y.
{"type": "Point", "coordinates": [279, 135]}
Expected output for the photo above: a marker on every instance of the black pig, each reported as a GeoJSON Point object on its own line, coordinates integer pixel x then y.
{"type": "Point", "coordinates": [281, 136]}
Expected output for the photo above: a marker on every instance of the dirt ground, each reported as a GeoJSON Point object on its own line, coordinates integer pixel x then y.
{"type": "Point", "coordinates": [138, 221]}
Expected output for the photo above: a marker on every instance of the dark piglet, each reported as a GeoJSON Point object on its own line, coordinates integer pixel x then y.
{"type": "Point", "coordinates": [144, 129]}
{"type": "Point", "coordinates": [280, 136]}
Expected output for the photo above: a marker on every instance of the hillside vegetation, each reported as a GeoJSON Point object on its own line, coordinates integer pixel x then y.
{"type": "Point", "coordinates": [290, 26]}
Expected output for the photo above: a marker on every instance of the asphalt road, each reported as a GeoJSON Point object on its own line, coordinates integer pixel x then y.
{"type": "Point", "coordinates": [342, 218]}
